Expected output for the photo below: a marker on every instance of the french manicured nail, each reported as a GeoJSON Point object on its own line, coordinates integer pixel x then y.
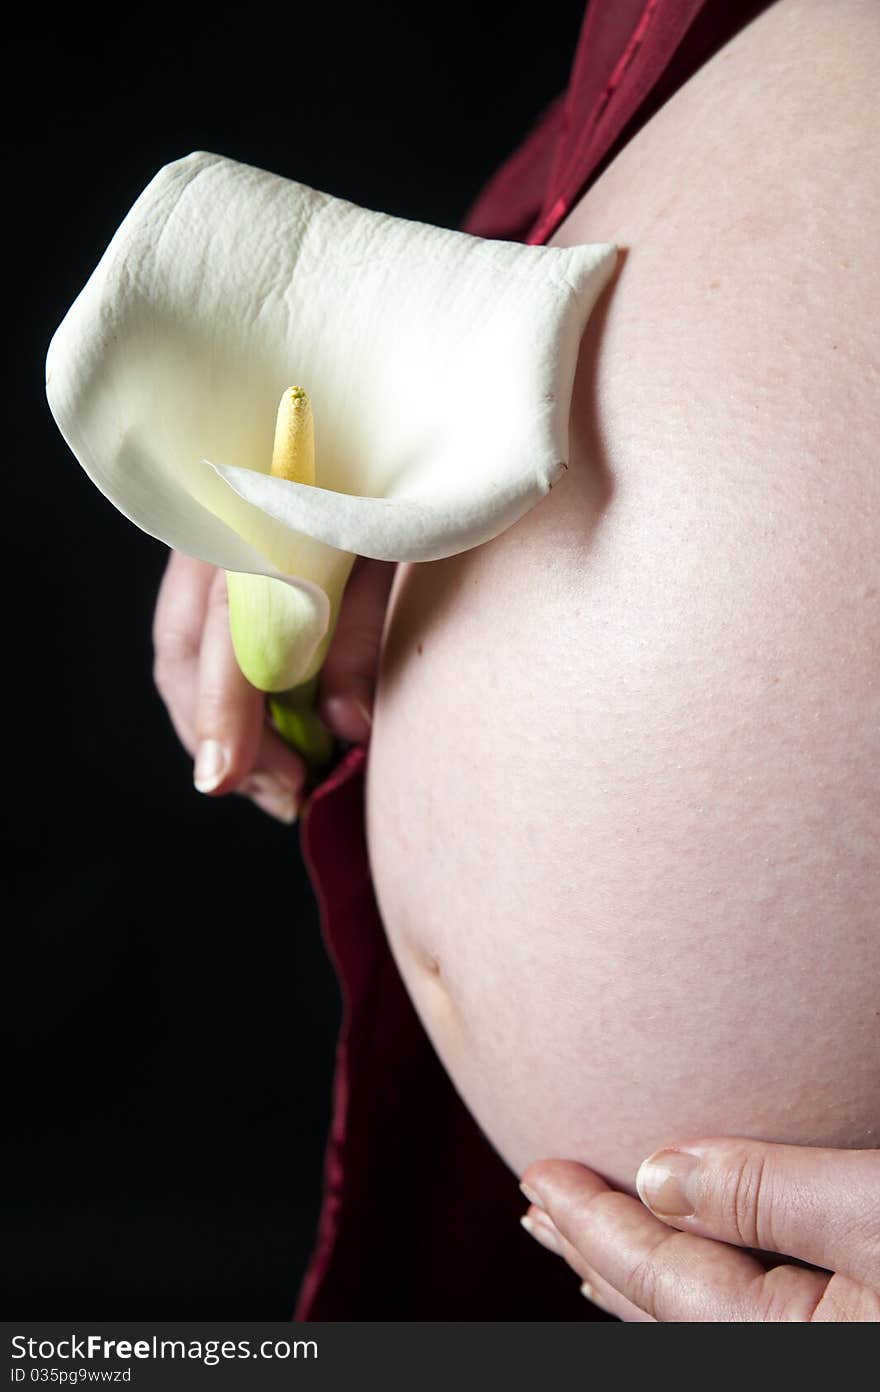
{"type": "Point", "coordinates": [271, 795]}
{"type": "Point", "coordinates": [212, 761]}
{"type": "Point", "coordinates": [542, 1230]}
{"type": "Point", "coordinates": [532, 1196]}
{"type": "Point", "coordinates": [591, 1293]}
{"type": "Point", "coordinates": [668, 1183]}
{"type": "Point", "coordinates": [348, 716]}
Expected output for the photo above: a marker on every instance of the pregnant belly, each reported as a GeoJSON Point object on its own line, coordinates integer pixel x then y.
{"type": "Point", "coordinates": [623, 801]}
{"type": "Point", "coordinates": [623, 814]}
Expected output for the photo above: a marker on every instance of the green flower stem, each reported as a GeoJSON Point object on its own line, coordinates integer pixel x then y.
{"type": "Point", "coordinates": [294, 713]}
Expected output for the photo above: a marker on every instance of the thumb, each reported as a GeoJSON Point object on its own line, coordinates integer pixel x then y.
{"type": "Point", "coordinates": [821, 1206]}
{"type": "Point", "coordinates": [348, 678]}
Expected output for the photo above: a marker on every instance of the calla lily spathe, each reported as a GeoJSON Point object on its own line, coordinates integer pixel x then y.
{"type": "Point", "coordinates": [440, 368]}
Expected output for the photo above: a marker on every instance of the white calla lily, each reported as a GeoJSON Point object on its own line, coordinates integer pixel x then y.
{"type": "Point", "coordinates": [440, 369]}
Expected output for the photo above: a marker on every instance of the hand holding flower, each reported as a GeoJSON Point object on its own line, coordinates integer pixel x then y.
{"type": "Point", "coordinates": [216, 710]}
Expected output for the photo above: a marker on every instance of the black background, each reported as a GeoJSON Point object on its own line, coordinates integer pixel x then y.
{"type": "Point", "coordinates": [169, 1014]}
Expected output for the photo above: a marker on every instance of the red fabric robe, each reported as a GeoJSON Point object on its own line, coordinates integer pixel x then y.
{"type": "Point", "coordinates": [420, 1216]}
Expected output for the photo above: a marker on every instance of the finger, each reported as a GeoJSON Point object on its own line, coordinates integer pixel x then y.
{"type": "Point", "coordinates": [229, 711]}
{"type": "Point", "coordinates": [235, 748]}
{"type": "Point", "coordinates": [847, 1302]}
{"type": "Point", "coordinates": [186, 647]}
{"type": "Point", "coordinates": [276, 783]}
{"type": "Point", "coordinates": [597, 1290]}
{"type": "Point", "coordinates": [348, 679]}
{"type": "Point", "coordinates": [672, 1276]}
{"type": "Point", "coordinates": [177, 635]}
{"type": "Point", "coordinates": [593, 1287]}
{"type": "Point", "coordinates": [821, 1206]}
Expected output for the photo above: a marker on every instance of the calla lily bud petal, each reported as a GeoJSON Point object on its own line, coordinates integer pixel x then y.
{"type": "Point", "coordinates": [440, 368]}
{"type": "Point", "coordinates": [276, 630]}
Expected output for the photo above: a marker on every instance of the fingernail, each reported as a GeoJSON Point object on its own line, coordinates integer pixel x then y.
{"type": "Point", "coordinates": [272, 795]}
{"type": "Point", "coordinates": [590, 1293]}
{"type": "Point", "coordinates": [667, 1183]}
{"type": "Point", "coordinates": [532, 1197]}
{"type": "Point", "coordinates": [543, 1231]}
{"type": "Point", "coordinates": [212, 761]}
{"type": "Point", "coordinates": [348, 716]}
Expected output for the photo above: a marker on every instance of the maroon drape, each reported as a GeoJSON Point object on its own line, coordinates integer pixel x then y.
{"type": "Point", "coordinates": [420, 1216]}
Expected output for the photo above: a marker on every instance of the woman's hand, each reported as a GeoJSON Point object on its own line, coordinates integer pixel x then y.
{"type": "Point", "coordinates": [221, 719]}
{"type": "Point", "coordinates": [676, 1256]}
